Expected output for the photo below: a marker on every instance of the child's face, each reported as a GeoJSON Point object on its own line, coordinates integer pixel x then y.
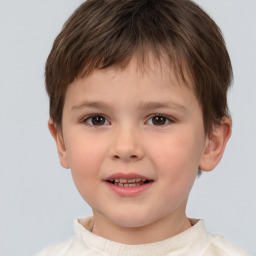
{"type": "Point", "coordinates": [132, 125]}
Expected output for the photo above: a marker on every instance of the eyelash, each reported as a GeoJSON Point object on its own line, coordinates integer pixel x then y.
{"type": "Point", "coordinates": [167, 120]}
{"type": "Point", "coordinates": [86, 119]}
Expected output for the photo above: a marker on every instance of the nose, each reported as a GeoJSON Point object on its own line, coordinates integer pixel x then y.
{"type": "Point", "coordinates": [127, 145]}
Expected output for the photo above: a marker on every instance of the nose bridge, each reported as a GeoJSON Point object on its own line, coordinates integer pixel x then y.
{"type": "Point", "coordinates": [126, 144]}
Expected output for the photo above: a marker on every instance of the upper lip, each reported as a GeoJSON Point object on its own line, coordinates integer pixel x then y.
{"type": "Point", "coordinates": [127, 176]}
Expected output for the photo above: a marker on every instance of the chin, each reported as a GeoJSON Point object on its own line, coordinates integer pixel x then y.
{"type": "Point", "coordinates": [131, 220]}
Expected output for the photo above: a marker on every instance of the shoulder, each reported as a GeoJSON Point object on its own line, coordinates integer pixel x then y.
{"type": "Point", "coordinates": [58, 249]}
{"type": "Point", "coordinates": [74, 246]}
{"type": "Point", "coordinates": [219, 245]}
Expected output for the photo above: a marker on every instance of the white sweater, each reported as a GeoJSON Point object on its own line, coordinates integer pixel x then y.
{"type": "Point", "coordinates": [193, 242]}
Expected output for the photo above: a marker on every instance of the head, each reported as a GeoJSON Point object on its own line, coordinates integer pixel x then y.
{"type": "Point", "coordinates": [105, 33]}
{"type": "Point", "coordinates": [138, 97]}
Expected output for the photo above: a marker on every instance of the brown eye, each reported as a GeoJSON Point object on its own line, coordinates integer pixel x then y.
{"type": "Point", "coordinates": [159, 120]}
{"type": "Point", "coordinates": [97, 120]}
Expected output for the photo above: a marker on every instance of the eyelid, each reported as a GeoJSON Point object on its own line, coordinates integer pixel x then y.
{"type": "Point", "coordinates": [168, 119]}
{"type": "Point", "coordinates": [87, 117]}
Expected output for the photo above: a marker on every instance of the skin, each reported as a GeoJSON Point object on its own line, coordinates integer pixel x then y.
{"type": "Point", "coordinates": [129, 140]}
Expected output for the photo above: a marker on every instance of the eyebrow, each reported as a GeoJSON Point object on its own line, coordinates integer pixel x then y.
{"type": "Point", "coordinates": [92, 104]}
{"type": "Point", "coordinates": [142, 105]}
{"type": "Point", "coordinates": [156, 105]}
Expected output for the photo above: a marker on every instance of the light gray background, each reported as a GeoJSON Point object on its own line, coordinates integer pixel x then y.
{"type": "Point", "coordinates": [38, 201]}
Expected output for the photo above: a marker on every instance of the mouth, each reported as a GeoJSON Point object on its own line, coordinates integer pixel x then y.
{"type": "Point", "coordinates": [134, 182]}
{"type": "Point", "coordinates": [128, 184]}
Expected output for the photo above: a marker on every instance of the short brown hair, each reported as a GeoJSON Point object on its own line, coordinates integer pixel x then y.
{"type": "Point", "coordinates": [103, 33]}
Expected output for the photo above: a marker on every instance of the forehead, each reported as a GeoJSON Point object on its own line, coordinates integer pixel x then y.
{"type": "Point", "coordinates": [145, 85]}
{"type": "Point", "coordinates": [154, 65]}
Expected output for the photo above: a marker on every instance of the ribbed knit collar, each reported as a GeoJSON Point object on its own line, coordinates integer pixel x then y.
{"type": "Point", "coordinates": [176, 245]}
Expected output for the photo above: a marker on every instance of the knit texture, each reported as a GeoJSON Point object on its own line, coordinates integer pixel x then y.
{"type": "Point", "coordinates": [193, 242]}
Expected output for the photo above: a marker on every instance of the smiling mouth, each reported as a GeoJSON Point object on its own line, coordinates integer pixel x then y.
{"type": "Point", "coordinates": [129, 182]}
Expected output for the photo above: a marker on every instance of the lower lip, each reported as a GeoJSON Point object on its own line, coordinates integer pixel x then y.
{"type": "Point", "coordinates": [128, 191]}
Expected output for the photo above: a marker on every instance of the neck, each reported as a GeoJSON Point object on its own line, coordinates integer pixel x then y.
{"type": "Point", "coordinates": [159, 230]}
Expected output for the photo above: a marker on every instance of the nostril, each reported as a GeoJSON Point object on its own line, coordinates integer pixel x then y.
{"type": "Point", "coordinates": [126, 151]}
{"type": "Point", "coordinates": [126, 157]}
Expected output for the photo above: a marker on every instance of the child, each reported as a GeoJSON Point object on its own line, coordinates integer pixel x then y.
{"type": "Point", "coordinates": [138, 107]}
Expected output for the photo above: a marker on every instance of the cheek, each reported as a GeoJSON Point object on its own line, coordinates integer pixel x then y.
{"type": "Point", "coordinates": [85, 159]}
{"type": "Point", "coordinates": [177, 169]}
{"type": "Point", "coordinates": [177, 157]}
{"type": "Point", "coordinates": [85, 155]}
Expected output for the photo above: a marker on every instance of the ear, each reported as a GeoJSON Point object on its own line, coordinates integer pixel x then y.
{"type": "Point", "coordinates": [56, 134]}
{"type": "Point", "coordinates": [215, 144]}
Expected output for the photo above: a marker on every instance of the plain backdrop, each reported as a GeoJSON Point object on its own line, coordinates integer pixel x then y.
{"type": "Point", "coordinates": [38, 201]}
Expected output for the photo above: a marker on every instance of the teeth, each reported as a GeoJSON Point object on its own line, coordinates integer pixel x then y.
{"type": "Point", "coordinates": [128, 182]}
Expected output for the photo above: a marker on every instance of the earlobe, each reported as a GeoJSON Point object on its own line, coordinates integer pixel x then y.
{"type": "Point", "coordinates": [56, 134]}
{"type": "Point", "coordinates": [215, 144]}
